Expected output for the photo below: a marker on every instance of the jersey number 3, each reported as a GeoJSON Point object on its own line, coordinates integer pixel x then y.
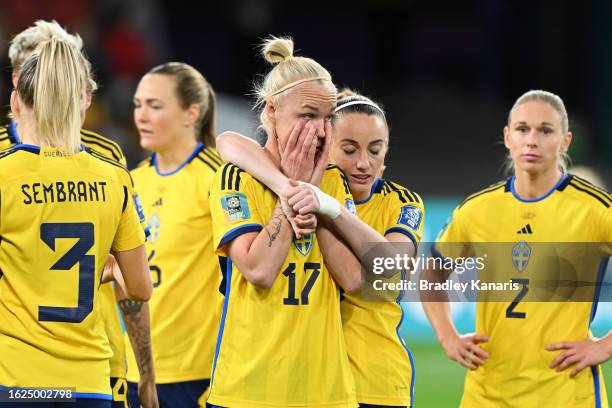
{"type": "Point", "coordinates": [84, 231]}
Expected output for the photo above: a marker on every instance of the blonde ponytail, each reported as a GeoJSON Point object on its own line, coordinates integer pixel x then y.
{"type": "Point", "coordinates": [53, 81]}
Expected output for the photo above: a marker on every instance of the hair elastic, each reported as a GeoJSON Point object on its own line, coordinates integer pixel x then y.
{"type": "Point", "coordinates": [372, 104]}
{"type": "Point", "coordinates": [295, 83]}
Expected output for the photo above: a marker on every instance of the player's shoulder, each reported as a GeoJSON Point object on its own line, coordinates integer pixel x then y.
{"type": "Point", "coordinates": [102, 144]}
{"type": "Point", "coordinates": [585, 192]}
{"type": "Point", "coordinates": [231, 177]}
{"type": "Point", "coordinates": [334, 175]}
{"type": "Point", "coordinates": [208, 158]}
{"type": "Point", "coordinates": [8, 136]}
{"type": "Point", "coordinates": [108, 165]}
{"type": "Point", "coordinates": [485, 195]}
{"type": "Point", "coordinates": [11, 156]}
{"type": "Point", "coordinates": [390, 191]}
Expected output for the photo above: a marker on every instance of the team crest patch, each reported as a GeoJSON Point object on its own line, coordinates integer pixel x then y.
{"type": "Point", "coordinates": [410, 216]}
{"type": "Point", "coordinates": [304, 244]}
{"type": "Point", "coordinates": [350, 205]}
{"type": "Point", "coordinates": [236, 207]}
{"type": "Point", "coordinates": [520, 256]}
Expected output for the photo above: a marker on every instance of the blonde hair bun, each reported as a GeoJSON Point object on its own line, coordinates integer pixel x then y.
{"type": "Point", "coordinates": [277, 49]}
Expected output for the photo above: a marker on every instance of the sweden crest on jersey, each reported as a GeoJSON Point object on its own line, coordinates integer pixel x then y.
{"type": "Point", "coordinates": [520, 256]}
{"type": "Point", "coordinates": [304, 244]}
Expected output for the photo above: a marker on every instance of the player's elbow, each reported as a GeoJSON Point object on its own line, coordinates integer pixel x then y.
{"type": "Point", "coordinates": [224, 145]}
{"type": "Point", "coordinates": [260, 277]}
{"type": "Point", "coordinates": [142, 293]}
{"type": "Point", "coordinates": [351, 286]}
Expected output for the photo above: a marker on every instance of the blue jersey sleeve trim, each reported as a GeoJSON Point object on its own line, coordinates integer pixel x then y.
{"type": "Point", "coordinates": [236, 232]}
{"type": "Point", "coordinates": [228, 284]}
{"type": "Point", "coordinates": [405, 232]}
{"type": "Point", "coordinates": [403, 343]}
{"type": "Point", "coordinates": [86, 395]}
{"type": "Point", "coordinates": [598, 283]}
{"type": "Point", "coordinates": [595, 371]}
{"type": "Point", "coordinates": [186, 162]}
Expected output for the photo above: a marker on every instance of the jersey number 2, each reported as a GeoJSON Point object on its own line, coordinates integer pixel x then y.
{"type": "Point", "coordinates": [289, 272]}
{"type": "Point", "coordinates": [510, 313]}
{"type": "Point", "coordinates": [84, 231]}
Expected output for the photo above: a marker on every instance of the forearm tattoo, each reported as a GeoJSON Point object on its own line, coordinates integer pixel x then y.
{"type": "Point", "coordinates": [275, 226]}
{"type": "Point", "coordinates": [137, 327]}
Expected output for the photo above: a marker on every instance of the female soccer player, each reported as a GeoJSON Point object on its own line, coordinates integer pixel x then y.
{"type": "Point", "coordinates": [360, 140]}
{"type": "Point", "coordinates": [22, 45]}
{"type": "Point", "coordinates": [78, 206]}
{"type": "Point", "coordinates": [174, 110]}
{"type": "Point", "coordinates": [298, 100]}
{"type": "Point", "coordinates": [514, 359]}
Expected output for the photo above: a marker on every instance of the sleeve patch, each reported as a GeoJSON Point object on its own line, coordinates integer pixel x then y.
{"type": "Point", "coordinates": [138, 206]}
{"type": "Point", "coordinates": [410, 216]}
{"type": "Point", "coordinates": [350, 205]}
{"type": "Point", "coordinates": [236, 207]}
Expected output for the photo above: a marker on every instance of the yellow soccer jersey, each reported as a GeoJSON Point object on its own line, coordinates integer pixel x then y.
{"type": "Point", "coordinates": [8, 138]}
{"type": "Point", "coordinates": [516, 373]}
{"type": "Point", "coordinates": [283, 346]}
{"type": "Point", "coordinates": [184, 267]}
{"type": "Point", "coordinates": [60, 216]}
{"type": "Point", "coordinates": [380, 361]}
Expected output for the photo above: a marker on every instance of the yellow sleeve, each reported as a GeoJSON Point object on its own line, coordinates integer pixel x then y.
{"type": "Point", "coordinates": [451, 234]}
{"type": "Point", "coordinates": [233, 206]}
{"type": "Point", "coordinates": [130, 233]}
{"type": "Point", "coordinates": [335, 184]}
{"type": "Point", "coordinates": [405, 213]}
{"type": "Point", "coordinates": [606, 225]}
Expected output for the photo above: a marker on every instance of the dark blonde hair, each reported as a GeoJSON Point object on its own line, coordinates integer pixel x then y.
{"type": "Point", "coordinates": [192, 88]}
{"type": "Point", "coordinates": [52, 82]}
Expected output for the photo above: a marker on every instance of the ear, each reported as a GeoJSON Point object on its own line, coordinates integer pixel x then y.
{"type": "Point", "coordinates": [14, 78]}
{"type": "Point", "coordinates": [15, 108]}
{"type": "Point", "coordinates": [506, 137]}
{"type": "Point", "coordinates": [88, 99]}
{"type": "Point", "coordinates": [270, 111]}
{"type": "Point", "coordinates": [192, 114]}
{"type": "Point", "coordinates": [567, 141]}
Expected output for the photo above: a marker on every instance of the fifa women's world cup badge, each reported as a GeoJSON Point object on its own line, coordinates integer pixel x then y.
{"type": "Point", "coordinates": [236, 207]}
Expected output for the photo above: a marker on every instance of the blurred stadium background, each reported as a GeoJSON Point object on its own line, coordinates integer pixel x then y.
{"type": "Point", "coordinates": [447, 74]}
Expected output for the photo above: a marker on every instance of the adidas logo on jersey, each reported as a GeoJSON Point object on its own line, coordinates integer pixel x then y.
{"type": "Point", "coordinates": [525, 230]}
{"type": "Point", "coordinates": [157, 203]}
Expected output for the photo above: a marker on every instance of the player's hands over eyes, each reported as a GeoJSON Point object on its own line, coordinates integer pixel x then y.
{"type": "Point", "coordinates": [466, 350]}
{"type": "Point", "coordinates": [582, 354]}
{"type": "Point", "coordinates": [298, 155]}
{"type": "Point", "coordinates": [147, 394]}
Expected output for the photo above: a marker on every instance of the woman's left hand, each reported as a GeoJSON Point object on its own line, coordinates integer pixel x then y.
{"type": "Point", "coordinates": [583, 354]}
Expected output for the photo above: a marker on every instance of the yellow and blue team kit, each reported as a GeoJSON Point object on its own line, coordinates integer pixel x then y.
{"type": "Point", "coordinates": [371, 328]}
{"type": "Point", "coordinates": [10, 137]}
{"type": "Point", "coordinates": [60, 216]}
{"type": "Point", "coordinates": [184, 268]}
{"type": "Point", "coordinates": [517, 373]}
{"type": "Point", "coordinates": [282, 346]}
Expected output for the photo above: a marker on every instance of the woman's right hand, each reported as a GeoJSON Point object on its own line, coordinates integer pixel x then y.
{"type": "Point", "coordinates": [465, 349]}
{"type": "Point", "coordinates": [298, 155]}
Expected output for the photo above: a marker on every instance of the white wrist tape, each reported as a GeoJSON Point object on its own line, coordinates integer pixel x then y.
{"type": "Point", "coordinates": [328, 205]}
